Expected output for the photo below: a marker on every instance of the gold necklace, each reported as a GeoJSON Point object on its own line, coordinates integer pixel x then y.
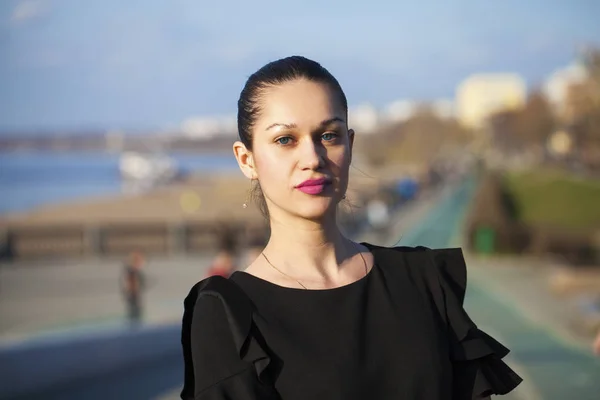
{"type": "Point", "coordinates": [300, 283]}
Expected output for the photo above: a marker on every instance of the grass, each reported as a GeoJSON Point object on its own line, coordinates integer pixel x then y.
{"type": "Point", "coordinates": [555, 198]}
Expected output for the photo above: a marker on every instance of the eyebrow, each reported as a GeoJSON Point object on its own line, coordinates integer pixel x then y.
{"type": "Point", "coordinates": [293, 126]}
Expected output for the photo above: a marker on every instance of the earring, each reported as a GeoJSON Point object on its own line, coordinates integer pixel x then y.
{"type": "Point", "coordinates": [248, 194]}
{"type": "Point", "coordinates": [344, 196]}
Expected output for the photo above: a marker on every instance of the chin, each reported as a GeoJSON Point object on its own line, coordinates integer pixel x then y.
{"type": "Point", "coordinates": [316, 209]}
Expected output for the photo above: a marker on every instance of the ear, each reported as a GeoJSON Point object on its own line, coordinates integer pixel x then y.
{"type": "Point", "coordinates": [245, 160]}
{"type": "Point", "coordinates": [351, 141]}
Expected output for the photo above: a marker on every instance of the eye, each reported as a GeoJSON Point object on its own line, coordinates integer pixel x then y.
{"type": "Point", "coordinates": [328, 137]}
{"type": "Point", "coordinates": [284, 141]}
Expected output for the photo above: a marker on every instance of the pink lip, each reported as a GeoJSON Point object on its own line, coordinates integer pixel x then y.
{"type": "Point", "coordinates": [313, 186]}
{"type": "Point", "coordinates": [313, 182]}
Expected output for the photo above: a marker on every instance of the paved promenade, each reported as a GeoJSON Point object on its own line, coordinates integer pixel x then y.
{"type": "Point", "coordinates": [37, 300]}
{"type": "Point", "coordinates": [508, 298]}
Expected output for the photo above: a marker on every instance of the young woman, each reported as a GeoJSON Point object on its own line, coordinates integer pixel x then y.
{"type": "Point", "coordinates": [317, 316]}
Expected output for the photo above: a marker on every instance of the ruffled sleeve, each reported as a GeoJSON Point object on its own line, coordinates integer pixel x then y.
{"type": "Point", "coordinates": [223, 354]}
{"type": "Point", "coordinates": [478, 368]}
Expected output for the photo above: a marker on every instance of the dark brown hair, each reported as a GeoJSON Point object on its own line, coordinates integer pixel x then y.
{"type": "Point", "coordinates": [273, 74]}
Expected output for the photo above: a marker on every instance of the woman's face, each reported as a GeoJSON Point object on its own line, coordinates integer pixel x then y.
{"type": "Point", "coordinates": [302, 149]}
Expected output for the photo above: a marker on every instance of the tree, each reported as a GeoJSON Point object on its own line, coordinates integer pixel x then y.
{"type": "Point", "coordinates": [535, 121]}
{"type": "Point", "coordinates": [417, 141]}
{"type": "Point", "coordinates": [583, 101]}
{"type": "Point", "coordinates": [525, 128]}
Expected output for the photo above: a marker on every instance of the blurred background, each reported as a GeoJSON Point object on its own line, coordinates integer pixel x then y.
{"type": "Point", "coordinates": [478, 125]}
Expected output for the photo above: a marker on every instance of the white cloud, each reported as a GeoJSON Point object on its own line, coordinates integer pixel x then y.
{"type": "Point", "coordinates": [27, 10]}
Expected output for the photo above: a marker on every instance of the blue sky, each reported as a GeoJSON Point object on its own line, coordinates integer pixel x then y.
{"type": "Point", "coordinates": [138, 64]}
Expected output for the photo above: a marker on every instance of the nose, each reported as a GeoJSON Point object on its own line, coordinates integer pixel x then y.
{"type": "Point", "coordinates": [311, 155]}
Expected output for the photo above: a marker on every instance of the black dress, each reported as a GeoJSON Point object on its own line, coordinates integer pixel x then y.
{"type": "Point", "coordinates": [399, 333]}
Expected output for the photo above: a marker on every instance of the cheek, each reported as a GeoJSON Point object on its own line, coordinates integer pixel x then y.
{"type": "Point", "coordinates": [339, 159]}
{"type": "Point", "coordinates": [271, 167]}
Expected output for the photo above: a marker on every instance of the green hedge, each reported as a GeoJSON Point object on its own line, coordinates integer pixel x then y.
{"type": "Point", "coordinates": [554, 198]}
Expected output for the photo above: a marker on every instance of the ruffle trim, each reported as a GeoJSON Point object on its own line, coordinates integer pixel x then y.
{"type": "Point", "coordinates": [470, 346]}
{"type": "Point", "coordinates": [485, 354]}
{"type": "Point", "coordinates": [239, 310]}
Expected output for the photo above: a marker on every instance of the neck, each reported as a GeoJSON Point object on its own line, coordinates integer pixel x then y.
{"type": "Point", "coordinates": [309, 249]}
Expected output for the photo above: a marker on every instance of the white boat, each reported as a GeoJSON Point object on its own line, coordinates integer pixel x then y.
{"type": "Point", "coordinates": [150, 168]}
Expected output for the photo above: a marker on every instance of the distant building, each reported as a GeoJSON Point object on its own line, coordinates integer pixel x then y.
{"type": "Point", "coordinates": [403, 110]}
{"type": "Point", "coordinates": [208, 127]}
{"type": "Point", "coordinates": [482, 95]}
{"type": "Point", "coordinates": [400, 110]}
{"type": "Point", "coordinates": [364, 119]}
{"type": "Point", "coordinates": [561, 84]}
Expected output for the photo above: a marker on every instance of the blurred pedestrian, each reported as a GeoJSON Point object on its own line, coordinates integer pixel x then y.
{"type": "Point", "coordinates": [596, 345]}
{"type": "Point", "coordinates": [256, 244]}
{"type": "Point", "coordinates": [133, 285]}
{"type": "Point", "coordinates": [224, 262]}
